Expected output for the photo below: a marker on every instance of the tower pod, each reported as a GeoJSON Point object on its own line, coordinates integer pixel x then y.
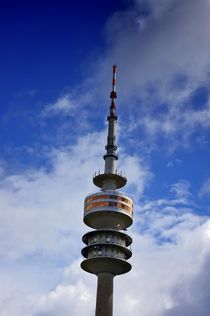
{"type": "Point", "coordinates": [108, 209]}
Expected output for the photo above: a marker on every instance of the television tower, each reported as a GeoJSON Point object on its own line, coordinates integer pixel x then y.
{"type": "Point", "coordinates": [109, 212]}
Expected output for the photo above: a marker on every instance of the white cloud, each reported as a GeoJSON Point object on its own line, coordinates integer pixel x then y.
{"type": "Point", "coordinates": [177, 42]}
{"type": "Point", "coordinates": [65, 299]}
{"type": "Point", "coordinates": [159, 270]}
{"type": "Point", "coordinates": [138, 173]}
{"type": "Point", "coordinates": [170, 250]}
{"type": "Point", "coordinates": [205, 189]}
{"type": "Point", "coordinates": [160, 66]}
{"type": "Point", "coordinates": [192, 299]}
{"type": "Point", "coordinates": [65, 104]}
{"type": "Point", "coordinates": [41, 216]}
{"type": "Point", "coordinates": [181, 189]}
{"type": "Point", "coordinates": [171, 244]}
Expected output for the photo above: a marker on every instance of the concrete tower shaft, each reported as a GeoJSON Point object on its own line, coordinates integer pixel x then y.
{"type": "Point", "coordinates": [108, 211]}
{"type": "Point", "coordinates": [104, 294]}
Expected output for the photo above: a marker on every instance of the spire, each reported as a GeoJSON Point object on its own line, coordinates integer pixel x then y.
{"type": "Point", "coordinates": [110, 179]}
{"type": "Point", "coordinates": [110, 157]}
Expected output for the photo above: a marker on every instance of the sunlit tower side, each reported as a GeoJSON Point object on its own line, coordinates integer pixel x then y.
{"type": "Point", "coordinates": [110, 213]}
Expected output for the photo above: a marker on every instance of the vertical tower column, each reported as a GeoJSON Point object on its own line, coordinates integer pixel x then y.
{"type": "Point", "coordinates": [104, 299]}
{"type": "Point", "coordinates": [107, 212]}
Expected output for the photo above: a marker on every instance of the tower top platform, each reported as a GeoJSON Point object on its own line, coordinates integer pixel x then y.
{"type": "Point", "coordinates": [118, 180]}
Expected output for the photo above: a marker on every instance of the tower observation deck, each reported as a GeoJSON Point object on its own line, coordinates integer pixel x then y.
{"type": "Point", "coordinates": [109, 212]}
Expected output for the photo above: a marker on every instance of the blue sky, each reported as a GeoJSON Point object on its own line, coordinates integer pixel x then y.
{"type": "Point", "coordinates": [55, 66]}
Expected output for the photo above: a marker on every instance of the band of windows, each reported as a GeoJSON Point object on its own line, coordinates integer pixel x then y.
{"type": "Point", "coordinates": [92, 206]}
{"type": "Point", "coordinates": [113, 197]}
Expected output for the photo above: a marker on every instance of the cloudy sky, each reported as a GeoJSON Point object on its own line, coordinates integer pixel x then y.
{"type": "Point", "coordinates": [55, 77]}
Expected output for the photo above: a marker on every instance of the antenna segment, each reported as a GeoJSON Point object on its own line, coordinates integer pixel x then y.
{"type": "Point", "coordinates": [113, 94]}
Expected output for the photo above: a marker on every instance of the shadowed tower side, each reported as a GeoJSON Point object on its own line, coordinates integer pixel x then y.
{"type": "Point", "coordinates": [109, 212]}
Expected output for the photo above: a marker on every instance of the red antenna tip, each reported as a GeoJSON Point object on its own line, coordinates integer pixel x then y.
{"type": "Point", "coordinates": [114, 67]}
